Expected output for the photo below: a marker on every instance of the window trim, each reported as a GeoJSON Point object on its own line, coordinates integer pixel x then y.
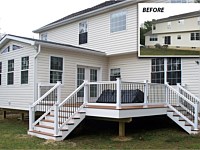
{"type": "Point", "coordinates": [153, 38]}
{"type": "Point", "coordinates": [1, 73]}
{"type": "Point", "coordinates": [11, 72]}
{"type": "Point", "coordinates": [114, 68]}
{"type": "Point", "coordinates": [24, 70]}
{"type": "Point", "coordinates": [44, 35]}
{"type": "Point", "coordinates": [49, 73]}
{"type": "Point", "coordinates": [5, 48]}
{"type": "Point", "coordinates": [166, 69]}
{"type": "Point", "coordinates": [86, 21]}
{"type": "Point", "coordinates": [110, 18]}
{"type": "Point", "coordinates": [195, 36]}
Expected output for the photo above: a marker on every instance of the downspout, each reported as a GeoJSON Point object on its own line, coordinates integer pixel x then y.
{"type": "Point", "coordinates": [38, 49]}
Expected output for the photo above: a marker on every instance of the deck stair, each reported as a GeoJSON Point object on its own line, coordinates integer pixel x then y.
{"type": "Point", "coordinates": [45, 128]}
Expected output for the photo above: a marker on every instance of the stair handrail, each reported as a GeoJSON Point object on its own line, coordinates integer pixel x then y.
{"type": "Point", "coordinates": [32, 121]}
{"type": "Point", "coordinates": [46, 94]}
{"type": "Point", "coordinates": [58, 106]}
{"type": "Point", "coordinates": [74, 92]}
{"type": "Point", "coordinates": [189, 93]}
{"type": "Point", "coordinates": [183, 97]}
{"type": "Point", "coordinates": [195, 105]}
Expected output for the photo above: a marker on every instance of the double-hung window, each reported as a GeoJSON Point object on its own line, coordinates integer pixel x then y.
{"type": "Point", "coordinates": [10, 75]}
{"type": "Point", "coordinates": [195, 36]}
{"type": "Point", "coordinates": [153, 38]}
{"type": "Point", "coordinates": [118, 21]}
{"type": "Point", "coordinates": [114, 74]}
{"type": "Point", "coordinates": [56, 69]}
{"type": "Point", "coordinates": [0, 72]}
{"type": "Point", "coordinates": [166, 69]}
{"type": "Point", "coordinates": [157, 70]}
{"type": "Point", "coordinates": [83, 33]}
{"type": "Point", "coordinates": [24, 70]}
{"type": "Point", "coordinates": [173, 71]}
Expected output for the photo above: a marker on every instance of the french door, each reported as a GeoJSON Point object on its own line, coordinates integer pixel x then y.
{"type": "Point", "coordinates": [88, 73]}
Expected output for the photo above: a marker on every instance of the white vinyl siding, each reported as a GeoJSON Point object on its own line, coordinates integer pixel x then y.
{"type": "Point", "coordinates": [0, 71]}
{"type": "Point", "coordinates": [99, 36]}
{"type": "Point", "coordinates": [17, 96]}
{"type": "Point", "coordinates": [71, 61]}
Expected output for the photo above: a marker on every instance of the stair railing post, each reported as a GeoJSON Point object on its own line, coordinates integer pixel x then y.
{"type": "Point", "coordinates": [86, 92]}
{"type": "Point", "coordinates": [118, 104]}
{"type": "Point", "coordinates": [145, 93]}
{"type": "Point", "coordinates": [196, 117]}
{"type": "Point", "coordinates": [166, 93]}
{"type": "Point", "coordinates": [59, 92]}
{"type": "Point", "coordinates": [31, 117]}
{"type": "Point", "coordinates": [56, 119]}
{"type": "Point", "coordinates": [179, 91]}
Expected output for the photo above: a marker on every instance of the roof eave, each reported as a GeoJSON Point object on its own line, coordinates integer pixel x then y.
{"type": "Point", "coordinates": [86, 15]}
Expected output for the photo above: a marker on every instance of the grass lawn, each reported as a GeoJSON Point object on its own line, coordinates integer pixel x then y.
{"type": "Point", "coordinates": [143, 133]}
{"type": "Point", "coordinates": [166, 52]}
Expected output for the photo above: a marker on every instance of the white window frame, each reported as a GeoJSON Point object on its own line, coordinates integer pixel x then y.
{"type": "Point", "coordinates": [44, 36]}
{"type": "Point", "coordinates": [25, 69]}
{"type": "Point", "coordinates": [169, 25]}
{"type": "Point", "coordinates": [12, 71]}
{"type": "Point", "coordinates": [113, 75]}
{"type": "Point", "coordinates": [1, 73]}
{"type": "Point", "coordinates": [6, 50]}
{"type": "Point", "coordinates": [61, 71]}
{"type": "Point", "coordinates": [153, 38]}
{"type": "Point", "coordinates": [195, 36]}
{"type": "Point", "coordinates": [117, 25]}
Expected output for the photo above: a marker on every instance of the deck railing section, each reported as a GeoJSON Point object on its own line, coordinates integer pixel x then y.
{"type": "Point", "coordinates": [44, 104]}
{"type": "Point", "coordinates": [182, 106]}
{"type": "Point", "coordinates": [67, 109]}
{"type": "Point", "coordinates": [188, 94]}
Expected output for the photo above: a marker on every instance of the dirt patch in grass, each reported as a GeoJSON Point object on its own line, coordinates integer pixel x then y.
{"type": "Point", "coordinates": [121, 139]}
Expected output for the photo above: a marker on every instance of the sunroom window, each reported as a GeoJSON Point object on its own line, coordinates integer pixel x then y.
{"type": "Point", "coordinates": [56, 69]}
{"type": "Point", "coordinates": [24, 70]}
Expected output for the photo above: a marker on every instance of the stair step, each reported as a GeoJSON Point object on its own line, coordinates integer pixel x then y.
{"type": "Point", "coordinates": [43, 126]}
{"type": "Point", "coordinates": [51, 121]}
{"type": "Point", "coordinates": [43, 133]}
{"type": "Point", "coordinates": [75, 117]}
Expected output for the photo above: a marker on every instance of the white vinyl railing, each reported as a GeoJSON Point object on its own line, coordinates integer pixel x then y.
{"type": "Point", "coordinates": [44, 104]}
{"type": "Point", "coordinates": [188, 110]}
{"type": "Point", "coordinates": [188, 94]}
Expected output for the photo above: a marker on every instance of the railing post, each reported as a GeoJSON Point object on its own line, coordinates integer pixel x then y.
{"type": "Point", "coordinates": [86, 92]}
{"type": "Point", "coordinates": [56, 119]}
{"type": "Point", "coordinates": [59, 92]}
{"type": "Point", "coordinates": [178, 98]}
{"type": "Point", "coordinates": [145, 92]}
{"type": "Point", "coordinates": [31, 118]}
{"type": "Point", "coordinates": [39, 91]}
{"type": "Point", "coordinates": [118, 104]}
{"type": "Point", "coordinates": [196, 115]}
{"type": "Point", "coordinates": [166, 93]}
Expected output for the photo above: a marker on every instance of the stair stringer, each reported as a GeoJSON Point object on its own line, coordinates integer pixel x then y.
{"type": "Point", "coordinates": [181, 123]}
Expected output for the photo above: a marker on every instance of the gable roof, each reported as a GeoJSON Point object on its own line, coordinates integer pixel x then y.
{"type": "Point", "coordinates": [103, 7]}
{"type": "Point", "coordinates": [36, 42]}
{"type": "Point", "coordinates": [179, 17]}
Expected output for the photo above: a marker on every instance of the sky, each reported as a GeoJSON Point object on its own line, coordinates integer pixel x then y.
{"type": "Point", "coordinates": [169, 10]}
{"type": "Point", "coordinates": [21, 17]}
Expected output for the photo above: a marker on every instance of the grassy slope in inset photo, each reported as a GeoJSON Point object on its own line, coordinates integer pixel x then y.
{"type": "Point", "coordinates": [157, 132]}
{"type": "Point", "coordinates": [167, 52]}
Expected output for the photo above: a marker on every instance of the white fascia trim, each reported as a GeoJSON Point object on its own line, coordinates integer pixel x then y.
{"type": "Point", "coordinates": [8, 37]}
{"type": "Point", "coordinates": [89, 14]}
{"type": "Point", "coordinates": [74, 49]}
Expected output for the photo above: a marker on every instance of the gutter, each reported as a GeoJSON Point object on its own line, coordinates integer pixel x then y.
{"type": "Point", "coordinates": [38, 49]}
{"type": "Point", "coordinates": [85, 15]}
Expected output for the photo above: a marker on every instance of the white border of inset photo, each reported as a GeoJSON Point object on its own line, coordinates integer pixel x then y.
{"type": "Point", "coordinates": [171, 29]}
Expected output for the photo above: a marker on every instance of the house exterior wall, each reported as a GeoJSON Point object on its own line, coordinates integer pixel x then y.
{"type": "Point", "coordinates": [190, 24]}
{"type": "Point", "coordinates": [17, 96]}
{"type": "Point", "coordinates": [99, 36]}
{"type": "Point", "coordinates": [184, 43]}
{"type": "Point", "coordinates": [139, 69]}
{"type": "Point", "coordinates": [70, 62]}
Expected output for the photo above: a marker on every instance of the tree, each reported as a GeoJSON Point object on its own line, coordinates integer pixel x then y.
{"type": "Point", "coordinates": [145, 27]}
